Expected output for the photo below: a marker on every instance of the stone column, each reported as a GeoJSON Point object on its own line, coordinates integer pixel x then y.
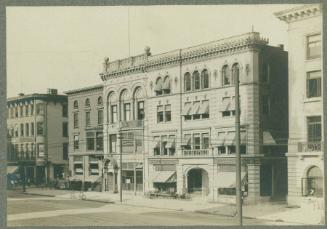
{"type": "Point", "coordinates": [180, 179]}
{"type": "Point", "coordinates": [253, 183]}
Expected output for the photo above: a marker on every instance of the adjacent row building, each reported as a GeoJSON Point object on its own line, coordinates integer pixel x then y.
{"type": "Point", "coordinates": [37, 133]}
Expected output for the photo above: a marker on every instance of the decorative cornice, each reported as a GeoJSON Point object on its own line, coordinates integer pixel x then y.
{"type": "Point", "coordinates": [299, 13]}
{"type": "Point", "coordinates": [83, 90]}
{"type": "Point", "coordinates": [145, 62]}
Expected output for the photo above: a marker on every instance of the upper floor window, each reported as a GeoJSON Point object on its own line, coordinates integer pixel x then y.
{"type": "Point", "coordinates": [87, 118]}
{"type": "Point", "coordinates": [158, 87]}
{"type": "Point", "coordinates": [114, 115]}
{"type": "Point", "coordinates": [164, 113]}
{"type": "Point", "coordinates": [235, 73]}
{"type": "Point", "coordinates": [100, 101]}
{"type": "Point", "coordinates": [314, 128]}
{"type": "Point", "coordinates": [21, 129]}
{"type": "Point", "coordinates": [65, 151]}
{"type": "Point", "coordinates": [140, 110]}
{"type": "Point", "coordinates": [21, 111]}
{"type": "Point", "coordinates": [75, 120]}
{"type": "Point", "coordinates": [75, 104]}
{"type": "Point", "coordinates": [160, 113]}
{"type": "Point", "coordinates": [32, 109]}
{"type": "Point", "coordinates": [204, 79]}
{"type": "Point", "coordinates": [164, 145]}
{"type": "Point", "coordinates": [166, 85]}
{"type": "Point", "coordinates": [127, 111]}
{"type": "Point", "coordinates": [26, 110]}
{"type": "Point", "coordinates": [40, 108]}
{"type": "Point", "coordinates": [87, 102]}
{"type": "Point", "coordinates": [187, 82]}
{"type": "Point", "coordinates": [196, 80]}
{"type": "Point", "coordinates": [64, 110]}
{"type": "Point", "coordinates": [39, 128]}
{"type": "Point", "coordinates": [16, 112]}
{"type": "Point", "coordinates": [113, 143]}
{"type": "Point", "coordinates": [313, 46]}
{"type": "Point", "coordinates": [314, 84]}
{"type": "Point", "coordinates": [100, 117]}
{"type": "Point", "coordinates": [27, 129]}
{"type": "Point", "coordinates": [225, 75]}
{"type": "Point", "coordinates": [76, 142]}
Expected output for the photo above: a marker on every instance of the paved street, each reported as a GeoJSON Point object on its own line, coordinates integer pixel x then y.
{"type": "Point", "coordinates": [33, 210]}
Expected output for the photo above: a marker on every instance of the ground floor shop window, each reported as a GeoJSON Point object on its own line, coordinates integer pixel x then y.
{"type": "Point", "coordinates": [165, 187]}
{"type": "Point", "coordinates": [128, 180]}
{"type": "Point", "coordinates": [78, 168]}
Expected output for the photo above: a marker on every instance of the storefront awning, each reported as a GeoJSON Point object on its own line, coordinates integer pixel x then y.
{"type": "Point", "coordinates": [204, 108]}
{"type": "Point", "coordinates": [228, 179]}
{"type": "Point", "coordinates": [268, 138]}
{"type": "Point", "coordinates": [221, 139]}
{"type": "Point", "coordinates": [230, 138]}
{"type": "Point", "coordinates": [186, 140]}
{"type": "Point", "coordinates": [170, 143]}
{"type": "Point", "coordinates": [164, 177]}
{"type": "Point", "coordinates": [195, 108]}
{"type": "Point", "coordinates": [187, 109]}
{"type": "Point", "coordinates": [158, 86]}
{"type": "Point", "coordinates": [12, 169]}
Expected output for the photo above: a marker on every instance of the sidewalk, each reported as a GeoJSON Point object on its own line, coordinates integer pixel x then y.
{"type": "Point", "coordinates": [305, 215]}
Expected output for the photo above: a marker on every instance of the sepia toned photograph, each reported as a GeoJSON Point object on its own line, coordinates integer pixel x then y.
{"type": "Point", "coordinates": [165, 115]}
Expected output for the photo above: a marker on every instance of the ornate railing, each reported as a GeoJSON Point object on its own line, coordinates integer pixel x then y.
{"type": "Point", "coordinates": [310, 146]}
{"type": "Point", "coordinates": [196, 153]}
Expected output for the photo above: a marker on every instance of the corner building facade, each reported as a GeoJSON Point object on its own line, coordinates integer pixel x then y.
{"type": "Point", "coordinates": [176, 115]}
{"type": "Point", "coordinates": [305, 145]}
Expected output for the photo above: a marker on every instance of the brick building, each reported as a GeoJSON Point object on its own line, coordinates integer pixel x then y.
{"type": "Point", "coordinates": [175, 112]}
{"type": "Point", "coordinates": [85, 106]}
{"type": "Point", "coordinates": [305, 145]}
{"type": "Point", "coordinates": [37, 127]}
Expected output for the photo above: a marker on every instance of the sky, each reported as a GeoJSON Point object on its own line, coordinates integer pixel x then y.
{"type": "Point", "coordinates": [64, 47]}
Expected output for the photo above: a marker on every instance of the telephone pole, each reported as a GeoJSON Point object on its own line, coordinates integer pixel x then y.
{"type": "Point", "coordinates": [120, 137]}
{"type": "Point", "coordinates": [238, 156]}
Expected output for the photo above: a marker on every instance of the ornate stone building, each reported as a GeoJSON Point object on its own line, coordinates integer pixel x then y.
{"type": "Point", "coordinates": [175, 112]}
{"type": "Point", "coordinates": [37, 127]}
{"type": "Point", "coordinates": [305, 145]}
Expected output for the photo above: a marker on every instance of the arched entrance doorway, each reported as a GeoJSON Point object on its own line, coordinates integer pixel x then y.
{"type": "Point", "coordinates": [110, 175]}
{"type": "Point", "coordinates": [314, 182]}
{"type": "Point", "coordinates": [198, 181]}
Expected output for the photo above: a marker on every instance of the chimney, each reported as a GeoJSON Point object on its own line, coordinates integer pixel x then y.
{"type": "Point", "coordinates": [52, 91]}
{"type": "Point", "coordinates": [281, 46]}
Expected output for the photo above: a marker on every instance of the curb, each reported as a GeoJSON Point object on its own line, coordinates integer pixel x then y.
{"type": "Point", "coordinates": [99, 201]}
{"type": "Point", "coordinates": [36, 194]}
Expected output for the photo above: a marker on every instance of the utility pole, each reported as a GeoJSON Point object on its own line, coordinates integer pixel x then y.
{"type": "Point", "coordinates": [120, 137]}
{"type": "Point", "coordinates": [238, 155]}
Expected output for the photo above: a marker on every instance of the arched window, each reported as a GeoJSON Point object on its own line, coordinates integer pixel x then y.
{"type": "Point", "coordinates": [196, 80]}
{"type": "Point", "coordinates": [225, 75]}
{"type": "Point", "coordinates": [204, 79]}
{"type": "Point", "coordinates": [112, 109]}
{"type": "Point", "coordinates": [100, 101]}
{"type": "Point", "coordinates": [314, 182]}
{"type": "Point", "coordinates": [166, 85]}
{"type": "Point", "coordinates": [87, 102]}
{"type": "Point", "coordinates": [187, 82]}
{"type": "Point", "coordinates": [235, 72]}
{"type": "Point", "coordinates": [158, 87]}
{"type": "Point", "coordinates": [125, 106]}
{"type": "Point", "coordinates": [139, 103]}
{"type": "Point", "coordinates": [75, 104]}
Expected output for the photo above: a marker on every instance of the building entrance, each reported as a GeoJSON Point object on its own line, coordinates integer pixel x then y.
{"type": "Point", "coordinates": [197, 181]}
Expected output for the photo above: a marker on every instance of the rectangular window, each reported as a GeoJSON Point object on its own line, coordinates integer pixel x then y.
{"type": "Point", "coordinates": [65, 129]}
{"type": "Point", "coordinates": [65, 151]}
{"type": "Point", "coordinates": [160, 114]}
{"type": "Point", "coordinates": [114, 116]}
{"type": "Point", "coordinates": [64, 110]}
{"type": "Point", "coordinates": [27, 129]}
{"type": "Point", "coordinates": [40, 109]}
{"type": "Point", "coordinates": [205, 141]}
{"type": "Point", "coordinates": [26, 110]}
{"type": "Point", "coordinates": [127, 111]}
{"type": "Point", "coordinates": [100, 117]}
{"type": "Point", "coordinates": [21, 129]}
{"type": "Point", "coordinates": [196, 141]}
{"type": "Point", "coordinates": [76, 120]}
{"type": "Point", "coordinates": [40, 150]}
{"type": "Point", "coordinates": [222, 149]}
{"type": "Point", "coordinates": [39, 128]}
{"type": "Point", "coordinates": [140, 110]}
{"type": "Point", "coordinates": [314, 84]}
{"type": "Point", "coordinates": [99, 141]}
{"type": "Point", "coordinates": [94, 169]}
{"type": "Point", "coordinates": [313, 46]}
{"type": "Point", "coordinates": [205, 109]}
{"type": "Point", "coordinates": [231, 149]}
{"type": "Point", "coordinates": [314, 129]}
{"type": "Point", "coordinates": [32, 109]}
{"type": "Point", "coordinates": [21, 111]}
{"type": "Point", "coordinates": [76, 142]}
{"type": "Point", "coordinates": [16, 112]}
{"type": "Point", "coordinates": [167, 113]}
{"type": "Point", "coordinates": [87, 118]}
{"type": "Point", "coordinates": [265, 105]}
{"type": "Point", "coordinates": [90, 141]}
{"type": "Point", "coordinates": [78, 169]}
{"type": "Point", "coordinates": [164, 150]}
{"type": "Point", "coordinates": [156, 149]}
{"type": "Point", "coordinates": [32, 128]}
{"type": "Point", "coordinates": [113, 143]}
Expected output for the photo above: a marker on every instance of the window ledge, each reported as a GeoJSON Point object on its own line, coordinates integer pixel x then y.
{"type": "Point", "coordinates": [314, 99]}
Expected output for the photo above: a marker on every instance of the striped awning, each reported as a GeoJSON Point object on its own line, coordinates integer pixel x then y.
{"type": "Point", "coordinates": [187, 109]}
{"type": "Point", "coordinates": [164, 177]}
{"type": "Point", "coordinates": [196, 108]}
{"type": "Point", "coordinates": [186, 140]}
{"type": "Point", "coordinates": [204, 108]}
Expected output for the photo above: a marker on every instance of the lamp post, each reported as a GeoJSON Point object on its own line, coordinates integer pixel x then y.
{"type": "Point", "coordinates": [238, 156]}
{"type": "Point", "coordinates": [120, 137]}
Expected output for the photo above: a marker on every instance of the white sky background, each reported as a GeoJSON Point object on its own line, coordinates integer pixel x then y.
{"type": "Point", "coordinates": [64, 47]}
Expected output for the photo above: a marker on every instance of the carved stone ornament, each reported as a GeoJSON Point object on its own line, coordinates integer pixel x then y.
{"type": "Point", "coordinates": [151, 85]}
{"type": "Point", "coordinates": [247, 69]}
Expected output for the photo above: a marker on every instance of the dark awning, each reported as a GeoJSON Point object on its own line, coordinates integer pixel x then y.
{"type": "Point", "coordinates": [164, 177]}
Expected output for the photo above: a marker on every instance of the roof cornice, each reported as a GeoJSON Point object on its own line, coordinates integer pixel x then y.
{"type": "Point", "coordinates": [144, 63]}
{"type": "Point", "coordinates": [299, 13]}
